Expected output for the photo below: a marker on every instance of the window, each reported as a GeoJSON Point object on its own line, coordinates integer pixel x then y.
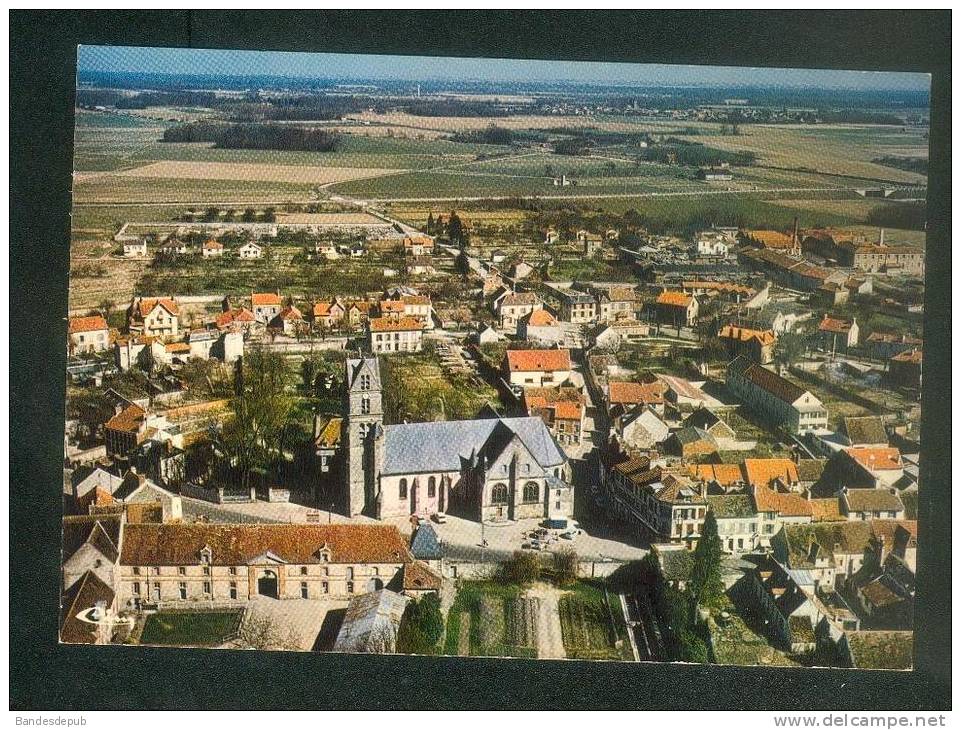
{"type": "Point", "coordinates": [326, 571]}
{"type": "Point", "coordinates": [557, 505]}
{"type": "Point", "coordinates": [136, 570]}
{"type": "Point", "coordinates": [206, 587]}
{"type": "Point", "coordinates": [136, 589]}
{"type": "Point", "coordinates": [499, 494]}
{"type": "Point", "coordinates": [365, 405]}
{"type": "Point", "coordinates": [233, 591]}
{"type": "Point", "coordinates": [183, 591]}
{"type": "Point", "coordinates": [350, 573]}
{"type": "Point", "coordinates": [233, 571]}
{"type": "Point", "coordinates": [431, 488]}
{"type": "Point", "coordinates": [182, 571]}
{"type": "Point", "coordinates": [156, 591]}
{"type": "Point", "coordinates": [206, 570]}
{"type": "Point", "coordinates": [303, 590]}
{"type": "Point", "coordinates": [365, 381]}
{"type": "Point", "coordinates": [303, 570]}
{"type": "Point", "coordinates": [376, 571]}
{"type": "Point", "coordinates": [350, 586]}
{"type": "Point", "coordinates": [531, 492]}
{"type": "Point", "coordinates": [155, 570]}
{"type": "Point", "coordinates": [325, 587]}
{"type": "Point", "coordinates": [402, 489]}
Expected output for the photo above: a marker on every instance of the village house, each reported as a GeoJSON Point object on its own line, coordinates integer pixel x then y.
{"type": "Point", "coordinates": [512, 306]}
{"type": "Point", "coordinates": [772, 241]}
{"type": "Point", "coordinates": [612, 336]}
{"type": "Point", "coordinates": [737, 522]}
{"type": "Point", "coordinates": [189, 564]}
{"type": "Point", "coordinates": [871, 504]}
{"type": "Point", "coordinates": [615, 304]}
{"type": "Point", "coordinates": [590, 243]}
{"type": "Point", "coordinates": [690, 443]}
{"type": "Point", "coordinates": [136, 248]}
{"type": "Point", "coordinates": [289, 321]}
{"type": "Point", "coordinates": [640, 429]}
{"type": "Point", "coordinates": [174, 247]}
{"type": "Point", "coordinates": [327, 249]}
{"type": "Point", "coordinates": [418, 246]}
{"type": "Point", "coordinates": [836, 334]}
{"type": "Point", "coordinates": [577, 307]}
{"type": "Point", "coordinates": [562, 410]}
{"type": "Point", "coordinates": [408, 303]}
{"type": "Point", "coordinates": [327, 314]}
{"type": "Point", "coordinates": [537, 367]}
{"type": "Point", "coordinates": [904, 369]}
{"type": "Point", "coordinates": [863, 432]}
{"type": "Point", "coordinates": [540, 326]}
{"type": "Point", "coordinates": [265, 306]}
{"type": "Point", "coordinates": [239, 320]}
{"type": "Point", "coordinates": [250, 250]}
{"type": "Point", "coordinates": [864, 467]}
{"type": "Point", "coordinates": [776, 399]}
{"type": "Point", "coordinates": [789, 271]}
{"type": "Point", "coordinates": [211, 249]}
{"type": "Point", "coordinates": [708, 421]}
{"type": "Point", "coordinates": [756, 345]}
{"type": "Point", "coordinates": [153, 317]}
{"type": "Point", "coordinates": [885, 345]}
{"type": "Point", "coordinates": [387, 334]}
{"type": "Point", "coordinates": [712, 243]}
{"type": "Point", "coordinates": [625, 396]}
{"type": "Point", "coordinates": [87, 335]}
{"type": "Point", "coordinates": [421, 266]}
{"type": "Point", "coordinates": [488, 468]}
{"type": "Point", "coordinates": [676, 309]}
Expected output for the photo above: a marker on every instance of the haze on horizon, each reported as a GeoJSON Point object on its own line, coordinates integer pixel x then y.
{"type": "Point", "coordinates": [193, 61]}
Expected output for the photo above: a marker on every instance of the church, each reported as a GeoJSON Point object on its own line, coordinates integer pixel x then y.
{"type": "Point", "coordinates": [491, 469]}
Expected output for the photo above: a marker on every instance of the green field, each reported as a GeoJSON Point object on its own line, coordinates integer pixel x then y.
{"type": "Point", "coordinates": [592, 625]}
{"type": "Point", "coordinates": [190, 628]}
{"type": "Point", "coordinates": [500, 621]}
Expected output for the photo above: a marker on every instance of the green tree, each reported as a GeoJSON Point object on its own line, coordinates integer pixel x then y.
{"type": "Point", "coordinates": [455, 229]}
{"type": "Point", "coordinates": [521, 568]}
{"type": "Point", "coordinates": [90, 409]}
{"type": "Point", "coordinates": [212, 214]}
{"type": "Point", "coordinates": [421, 626]}
{"type": "Point", "coordinates": [565, 566]}
{"type": "Point", "coordinates": [430, 223]}
{"type": "Point", "coordinates": [706, 585]}
{"type": "Point", "coordinates": [789, 349]}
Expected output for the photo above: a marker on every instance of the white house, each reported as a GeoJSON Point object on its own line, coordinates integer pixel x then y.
{"type": "Point", "coordinates": [250, 250]}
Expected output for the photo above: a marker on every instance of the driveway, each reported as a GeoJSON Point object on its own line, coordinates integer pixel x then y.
{"type": "Point", "coordinates": [550, 641]}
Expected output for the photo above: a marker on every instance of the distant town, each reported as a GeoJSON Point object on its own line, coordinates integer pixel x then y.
{"type": "Point", "coordinates": [403, 370]}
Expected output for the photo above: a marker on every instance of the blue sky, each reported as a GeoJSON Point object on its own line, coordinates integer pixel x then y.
{"type": "Point", "coordinates": [414, 68]}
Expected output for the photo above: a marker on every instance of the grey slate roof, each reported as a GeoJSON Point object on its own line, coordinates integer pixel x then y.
{"type": "Point", "coordinates": [419, 448]}
{"type": "Point", "coordinates": [425, 545]}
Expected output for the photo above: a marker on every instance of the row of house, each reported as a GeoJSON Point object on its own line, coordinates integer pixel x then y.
{"type": "Point", "coordinates": [209, 249]}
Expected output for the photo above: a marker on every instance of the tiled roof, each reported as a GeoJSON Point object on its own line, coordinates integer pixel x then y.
{"type": "Point", "coordinates": [235, 315]}
{"type": "Point", "coordinates": [236, 544]}
{"type": "Point", "coordinates": [827, 509]}
{"type": "Point", "coordinates": [633, 465]}
{"type": "Point", "coordinates": [129, 419]}
{"type": "Point", "coordinates": [876, 459]}
{"type": "Point", "coordinates": [559, 403]}
{"type": "Point", "coordinates": [389, 324]}
{"type": "Point", "coordinates": [147, 305]}
{"type": "Point", "coordinates": [290, 312]}
{"type": "Point", "coordinates": [771, 239]}
{"type": "Point", "coordinates": [392, 305]}
{"type": "Point", "coordinates": [723, 474]}
{"type": "Point", "coordinates": [786, 504]}
{"type": "Point", "coordinates": [635, 393]}
{"type": "Point", "coordinates": [744, 334]}
{"type": "Point", "coordinates": [810, 470]}
{"type": "Point", "coordinates": [882, 649]}
{"type": "Point", "coordinates": [211, 244]}
{"type": "Point", "coordinates": [767, 380]}
{"type": "Point", "coordinates": [86, 324]}
{"type": "Point", "coordinates": [86, 593]}
{"type": "Point", "coordinates": [691, 435]}
{"type": "Point", "coordinates": [764, 471]}
{"type": "Point", "coordinates": [519, 298]}
{"type": "Point", "coordinates": [674, 299]}
{"type": "Point", "coordinates": [872, 500]}
{"type": "Point", "coordinates": [415, 299]}
{"type": "Point", "coordinates": [102, 531]}
{"type": "Point", "coordinates": [731, 505]}
{"type": "Point", "coordinates": [176, 347]}
{"type": "Point", "coordinates": [833, 324]}
{"type": "Point", "coordinates": [418, 577]}
{"type": "Point", "coordinates": [265, 300]}
{"type": "Point", "coordinates": [865, 430]}
{"type": "Point", "coordinates": [538, 360]}
{"type": "Point", "coordinates": [540, 318]}
{"type": "Point", "coordinates": [914, 356]}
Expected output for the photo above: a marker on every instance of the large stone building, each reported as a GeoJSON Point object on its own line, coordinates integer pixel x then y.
{"type": "Point", "coordinates": [490, 468]}
{"type": "Point", "coordinates": [386, 334]}
{"type": "Point", "coordinates": [776, 399]}
{"type": "Point", "coordinates": [196, 563]}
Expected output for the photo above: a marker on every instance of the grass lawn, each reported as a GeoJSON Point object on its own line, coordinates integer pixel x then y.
{"type": "Point", "coordinates": [586, 624]}
{"type": "Point", "coordinates": [502, 621]}
{"type": "Point", "coordinates": [190, 628]}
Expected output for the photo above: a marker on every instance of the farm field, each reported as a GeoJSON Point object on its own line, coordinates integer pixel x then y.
{"type": "Point", "coordinates": [498, 621]}
{"type": "Point", "coordinates": [313, 174]}
{"type": "Point", "coordinates": [592, 624]}
{"type": "Point", "coordinates": [190, 628]}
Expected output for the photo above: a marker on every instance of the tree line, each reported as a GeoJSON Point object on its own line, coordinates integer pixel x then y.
{"type": "Point", "coordinates": [255, 136]}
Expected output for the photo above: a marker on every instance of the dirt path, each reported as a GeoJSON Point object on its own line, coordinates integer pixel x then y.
{"type": "Point", "coordinates": [550, 644]}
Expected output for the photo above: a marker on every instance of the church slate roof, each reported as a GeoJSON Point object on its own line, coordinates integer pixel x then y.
{"type": "Point", "coordinates": [425, 545]}
{"type": "Point", "coordinates": [418, 448]}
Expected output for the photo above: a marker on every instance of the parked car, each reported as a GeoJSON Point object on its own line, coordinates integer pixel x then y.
{"type": "Point", "coordinates": [440, 518]}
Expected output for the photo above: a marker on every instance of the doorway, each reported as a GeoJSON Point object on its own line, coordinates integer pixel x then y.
{"type": "Point", "coordinates": [267, 584]}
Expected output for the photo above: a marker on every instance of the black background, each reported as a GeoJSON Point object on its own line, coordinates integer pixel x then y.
{"type": "Point", "coordinates": [44, 675]}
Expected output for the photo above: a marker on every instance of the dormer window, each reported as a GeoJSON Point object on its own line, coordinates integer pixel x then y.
{"type": "Point", "coordinates": [206, 555]}
{"type": "Point", "coordinates": [323, 554]}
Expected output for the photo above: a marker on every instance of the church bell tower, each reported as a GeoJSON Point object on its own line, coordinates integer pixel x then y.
{"type": "Point", "coordinates": [365, 419]}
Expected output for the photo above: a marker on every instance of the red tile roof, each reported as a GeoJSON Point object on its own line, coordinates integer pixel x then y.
{"type": "Point", "coordinates": [764, 471]}
{"type": "Point", "coordinates": [785, 504]}
{"type": "Point", "coordinates": [832, 324]}
{"type": "Point", "coordinates": [914, 356]}
{"type": "Point", "coordinates": [128, 420]}
{"type": "Point", "coordinates": [538, 360]}
{"type": "Point", "coordinates": [290, 312]}
{"type": "Point", "coordinates": [266, 299]}
{"type": "Point", "coordinates": [86, 324]}
{"type": "Point", "coordinates": [235, 315]}
{"type": "Point", "coordinates": [620, 393]}
{"type": "Point", "coordinates": [876, 459]}
{"type": "Point", "coordinates": [147, 306]}
{"type": "Point", "coordinates": [236, 544]}
{"type": "Point", "coordinates": [540, 318]}
{"type": "Point", "coordinates": [389, 324]}
{"type": "Point", "coordinates": [211, 244]}
{"type": "Point", "coordinates": [745, 334]}
{"type": "Point", "coordinates": [674, 299]}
